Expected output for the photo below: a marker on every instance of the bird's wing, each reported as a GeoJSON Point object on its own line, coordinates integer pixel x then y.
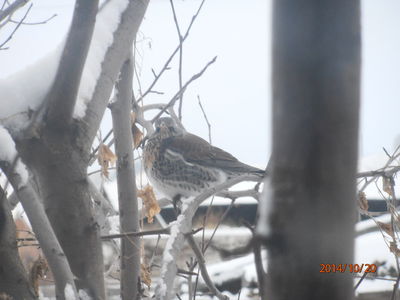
{"type": "Point", "coordinates": [194, 149]}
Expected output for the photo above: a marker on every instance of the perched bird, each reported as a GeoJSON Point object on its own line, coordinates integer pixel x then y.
{"type": "Point", "coordinates": [181, 164]}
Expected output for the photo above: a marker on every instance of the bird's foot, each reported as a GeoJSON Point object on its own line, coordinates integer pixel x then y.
{"type": "Point", "coordinates": [176, 201]}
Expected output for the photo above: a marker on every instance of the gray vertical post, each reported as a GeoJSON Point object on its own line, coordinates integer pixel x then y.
{"type": "Point", "coordinates": [316, 91]}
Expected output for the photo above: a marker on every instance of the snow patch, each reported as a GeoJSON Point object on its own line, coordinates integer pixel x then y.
{"type": "Point", "coordinates": [163, 290]}
{"type": "Point", "coordinates": [187, 202]}
{"type": "Point", "coordinates": [69, 292]}
{"type": "Point", "coordinates": [83, 295]}
{"type": "Point", "coordinates": [174, 231]}
{"type": "Point", "coordinates": [263, 228]}
{"type": "Point", "coordinates": [8, 153]}
{"type": "Point", "coordinates": [26, 89]}
{"type": "Point", "coordinates": [372, 223]}
{"type": "Point", "coordinates": [107, 22]}
{"type": "Point", "coordinates": [242, 267]}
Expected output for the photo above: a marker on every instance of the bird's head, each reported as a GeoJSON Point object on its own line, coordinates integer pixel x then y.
{"type": "Point", "coordinates": [166, 127]}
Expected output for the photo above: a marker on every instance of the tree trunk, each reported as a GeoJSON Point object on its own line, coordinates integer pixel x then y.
{"type": "Point", "coordinates": [59, 164]}
{"type": "Point", "coordinates": [127, 198]}
{"type": "Point", "coordinates": [13, 277]}
{"type": "Point", "coordinates": [316, 90]}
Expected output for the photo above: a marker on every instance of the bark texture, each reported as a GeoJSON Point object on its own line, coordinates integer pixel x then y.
{"type": "Point", "coordinates": [59, 164]}
{"type": "Point", "coordinates": [127, 196]}
{"type": "Point", "coordinates": [13, 277]}
{"type": "Point", "coordinates": [316, 91]}
{"type": "Point", "coordinates": [43, 230]}
{"type": "Point", "coordinates": [58, 151]}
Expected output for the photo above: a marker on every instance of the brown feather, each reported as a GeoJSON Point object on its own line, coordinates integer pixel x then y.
{"type": "Point", "coordinates": [196, 150]}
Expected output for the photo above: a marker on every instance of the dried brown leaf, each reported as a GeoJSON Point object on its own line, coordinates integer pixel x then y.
{"type": "Point", "coordinates": [394, 249]}
{"type": "Point", "coordinates": [386, 228]}
{"type": "Point", "coordinates": [38, 271]}
{"type": "Point", "coordinates": [137, 136]}
{"type": "Point", "coordinates": [362, 201]}
{"type": "Point", "coordinates": [386, 185]}
{"type": "Point", "coordinates": [133, 117]}
{"type": "Point", "coordinates": [150, 202]}
{"type": "Point", "coordinates": [106, 158]}
{"type": "Point", "coordinates": [145, 275]}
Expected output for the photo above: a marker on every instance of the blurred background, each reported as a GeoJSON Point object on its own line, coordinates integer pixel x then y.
{"type": "Point", "coordinates": [235, 92]}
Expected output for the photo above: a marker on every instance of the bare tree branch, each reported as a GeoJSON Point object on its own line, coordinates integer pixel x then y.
{"type": "Point", "coordinates": [127, 193]}
{"type": "Point", "coordinates": [183, 225]}
{"type": "Point", "coordinates": [63, 94]}
{"type": "Point", "coordinates": [180, 58]}
{"type": "Point", "coordinates": [166, 65]}
{"type": "Point", "coordinates": [387, 172]}
{"type": "Point", "coordinates": [9, 10]}
{"type": "Point", "coordinates": [204, 273]}
{"type": "Point", "coordinates": [35, 23]}
{"type": "Point", "coordinates": [114, 58]}
{"type": "Point", "coordinates": [182, 90]}
{"type": "Point", "coordinates": [13, 277]}
{"type": "Point", "coordinates": [43, 231]}
{"type": "Point", "coordinates": [136, 234]}
{"type": "Point", "coordinates": [205, 117]}
{"type": "Point", "coordinates": [15, 29]}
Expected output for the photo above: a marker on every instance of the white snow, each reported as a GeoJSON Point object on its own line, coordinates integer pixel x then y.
{"type": "Point", "coordinates": [163, 290]}
{"type": "Point", "coordinates": [187, 203]}
{"type": "Point", "coordinates": [107, 22]}
{"type": "Point", "coordinates": [372, 163]}
{"type": "Point", "coordinates": [26, 89]}
{"type": "Point", "coordinates": [371, 223]}
{"type": "Point", "coordinates": [69, 292]}
{"type": "Point", "coordinates": [9, 153]}
{"type": "Point", "coordinates": [264, 209]}
{"type": "Point", "coordinates": [372, 248]}
{"type": "Point", "coordinates": [83, 295]}
{"type": "Point", "coordinates": [242, 267]}
{"type": "Point", "coordinates": [373, 285]}
{"type": "Point", "coordinates": [175, 226]}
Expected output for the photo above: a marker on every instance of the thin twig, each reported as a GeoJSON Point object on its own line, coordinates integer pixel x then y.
{"type": "Point", "coordinates": [395, 287]}
{"type": "Point", "coordinates": [218, 224]}
{"type": "Point", "coordinates": [166, 65]}
{"type": "Point", "coordinates": [143, 233]}
{"type": "Point", "coordinates": [202, 264]}
{"type": "Point", "coordinates": [182, 90]}
{"type": "Point", "coordinates": [180, 57]}
{"type": "Point", "coordinates": [16, 28]}
{"type": "Point", "coordinates": [140, 233]}
{"type": "Point", "coordinates": [205, 117]}
{"type": "Point", "coordinates": [12, 8]}
{"type": "Point", "coordinates": [35, 23]}
{"type": "Point", "coordinates": [361, 280]}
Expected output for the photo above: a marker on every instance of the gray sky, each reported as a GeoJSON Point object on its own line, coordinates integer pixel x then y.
{"type": "Point", "coordinates": [235, 91]}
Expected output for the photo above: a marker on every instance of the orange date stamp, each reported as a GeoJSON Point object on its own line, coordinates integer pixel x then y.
{"type": "Point", "coordinates": [352, 268]}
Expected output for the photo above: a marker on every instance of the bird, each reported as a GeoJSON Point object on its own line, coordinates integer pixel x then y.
{"type": "Point", "coordinates": [180, 164]}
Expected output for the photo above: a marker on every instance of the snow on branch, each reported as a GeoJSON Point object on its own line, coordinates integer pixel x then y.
{"type": "Point", "coordinates": [62, 96]}
{"type": "Point", "coordinates": [107, 22]}
{"type": "Point", "coordinates": [8, 154]}
{"type": "Point", "coordinates": [181, 227]}
{"type": "Point", "coordinates": [24, 91]}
